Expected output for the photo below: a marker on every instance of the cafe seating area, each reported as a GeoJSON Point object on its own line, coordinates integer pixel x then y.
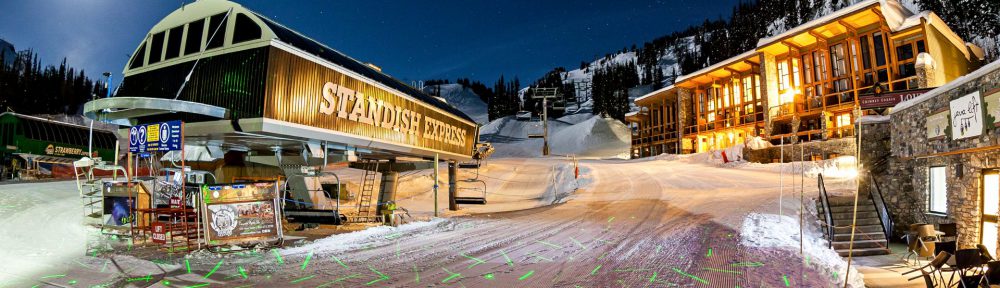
{"type": "Point", "coordinates": [949, 265]}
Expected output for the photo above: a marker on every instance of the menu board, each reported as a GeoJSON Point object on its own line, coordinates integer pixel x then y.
{"type": "Point", "coordinates": [241, 213]}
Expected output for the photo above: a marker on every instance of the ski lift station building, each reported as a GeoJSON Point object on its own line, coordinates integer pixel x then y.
{"type": "Point", "coordinates": [259, 100]}
{"type": "Point", "coordinates": [242, 82]}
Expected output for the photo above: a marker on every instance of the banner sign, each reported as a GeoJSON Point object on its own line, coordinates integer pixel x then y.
{"type": "Point", "coordinates": [57, 150]}
{"type": "Point", "coordinates": [241, 213]}
{"type": "Point", "coordinates": [164, 136]}
{"type": "Point", "coordinates": [889, 99]}
{"type": "Point", "coordinates": [966, 116]}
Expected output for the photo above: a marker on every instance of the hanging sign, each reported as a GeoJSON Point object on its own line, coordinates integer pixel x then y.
{"type": "Point", "coordinates": [889, 99]}
{"type": "Point", "coordinates": [165, 136]}
{"type": "Point", "coordinates": [966, 116]}
{"type": "Point", "coordinates": [241, 213]}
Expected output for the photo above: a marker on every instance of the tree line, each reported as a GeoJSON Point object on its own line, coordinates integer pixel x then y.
{"type": "Point", "coordinates": [28, 87]}
{"type": "Point", "coordinates": [502, 99]}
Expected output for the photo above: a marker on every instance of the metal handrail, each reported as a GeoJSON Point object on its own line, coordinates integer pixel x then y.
{"type": "Point", "coordinates": [825, 200]}
{"type": "Point", "coordinates": [875, 193]}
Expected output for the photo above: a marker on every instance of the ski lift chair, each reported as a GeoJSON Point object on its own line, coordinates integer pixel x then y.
{"type": "Point", "coordinates": [475, 195]}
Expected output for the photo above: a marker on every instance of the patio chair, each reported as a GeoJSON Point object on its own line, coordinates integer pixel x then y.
{"type": "Point", "coordinates": [950, 231]}
{"type": "Point", "coordinates": [947, 246]}
{"type": "Point", "coordinates": [969, 267]}
{"type": "Point", "coordinates": [992, 265]}
{"type": "Point", "coordinates": [931, 273]}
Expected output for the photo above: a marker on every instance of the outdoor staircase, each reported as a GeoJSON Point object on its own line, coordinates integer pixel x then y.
{"type": "Point", "coordinates": [869, 239]}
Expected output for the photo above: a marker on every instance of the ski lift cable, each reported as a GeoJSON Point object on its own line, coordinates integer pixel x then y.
{"type": "Point", "coordinates": [196, 61]}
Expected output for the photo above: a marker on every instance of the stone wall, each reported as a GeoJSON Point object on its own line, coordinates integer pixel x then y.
{"type": "Point", "coordinates": [825, 149]}
{"type": "Point", "coordinates": [904, 182]}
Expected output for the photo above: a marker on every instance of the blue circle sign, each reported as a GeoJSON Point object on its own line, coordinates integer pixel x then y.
{"type": "Point", "coordinates": [133, 136]}
{"type": "Point", "coordinates": [164, 133]}
{"type": "Point", "coordinates": [142, 135]}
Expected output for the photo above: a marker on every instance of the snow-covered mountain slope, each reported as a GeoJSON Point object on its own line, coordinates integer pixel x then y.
{"type": "Point", "coordinates": [583, 135]}
{"type": "Point", "coordinates": [667, 63]}
{"type": "Point", "coordinates": [463, 99]}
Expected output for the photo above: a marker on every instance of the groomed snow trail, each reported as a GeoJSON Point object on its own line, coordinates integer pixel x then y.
{"type": "Point", "coordinates": [651, 223]}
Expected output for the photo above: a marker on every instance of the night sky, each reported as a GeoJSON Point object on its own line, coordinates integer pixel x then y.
{"type": "Point", "coordinates": [410, 40]}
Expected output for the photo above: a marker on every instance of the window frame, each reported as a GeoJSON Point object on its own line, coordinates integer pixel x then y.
{"type": "Point", "coordinates": [931, 191]}
{"type": "Point", "coordinates": [174, 42]}
{"type": "Point", "coordinates": [189, 42]}
{"type": "Point", "coordinates": [157, 37]}
{"type": "Point", "coordinates": [238, 24]}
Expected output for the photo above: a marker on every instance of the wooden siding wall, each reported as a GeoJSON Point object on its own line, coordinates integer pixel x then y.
{"type": "Point", "coordinates": [295, 94]}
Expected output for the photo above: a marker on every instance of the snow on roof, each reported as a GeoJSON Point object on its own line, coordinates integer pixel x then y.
{"type": "Point", "coordinates": [946, 87]}
{"type": "Point", "coordinates": [715, 66]}
{"type": "Point", "coordinates": [867, 119]}
{"type": "Point", "coordinates": [630, 114]}
{"type": "Point", "coordinates": [939, 24]}
{"type": "Point", "coordinates": [650, 94]}
{"type": "Point", "coordinates": [894, 13]}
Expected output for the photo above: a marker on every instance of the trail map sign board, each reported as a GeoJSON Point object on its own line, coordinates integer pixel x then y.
{"type": "Point", "coordinates": [165, 136]}
{"type": "Point", "coordinates": [241, 213]}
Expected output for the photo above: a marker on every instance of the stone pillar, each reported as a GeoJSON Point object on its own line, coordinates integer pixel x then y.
{"type": "Point", "coordinates": [684, 114]}
{"type": "Point", "coordinates": [925, 66]}
{"type": "Point", "coordinates": [387, 189]}
{"type": "Point", "coordinates": [452, 186]}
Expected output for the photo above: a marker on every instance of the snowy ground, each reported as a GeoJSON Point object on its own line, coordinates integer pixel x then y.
{"type": "Point", "coordinates": [677, 220]}
{"type": "Point", "coordinates": [40, 230]}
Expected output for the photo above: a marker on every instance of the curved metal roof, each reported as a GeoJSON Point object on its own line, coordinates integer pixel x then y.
{"type": "Point", "coordinates": [271, 30]}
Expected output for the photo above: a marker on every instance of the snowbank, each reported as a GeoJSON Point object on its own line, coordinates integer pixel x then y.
{"type": "Point", "coordinates": [758, 143]}
{"type": "Point", "coordinates": [595, 137]}
{"type": "Point", "coordinates": [583, 135]}
{"type": "Point", "coordinates": [773, 231]}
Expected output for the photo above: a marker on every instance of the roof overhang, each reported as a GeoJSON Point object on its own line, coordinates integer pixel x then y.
{"type": "Point", "coordinates": [830, 26]}
{"type": "Point", "coordinates": [130, 108]}
{"type": "Point", "coordinates": [739, 64]}
{"type": "Point", "coordinates": [657, 95]}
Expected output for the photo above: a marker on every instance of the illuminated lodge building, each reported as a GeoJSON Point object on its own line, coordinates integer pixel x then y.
{"type": "Point", "coordinates": [805, 84]}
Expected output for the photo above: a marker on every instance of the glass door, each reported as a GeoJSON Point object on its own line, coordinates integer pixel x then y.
{"type": "Point", "coordinates": [990, 210]}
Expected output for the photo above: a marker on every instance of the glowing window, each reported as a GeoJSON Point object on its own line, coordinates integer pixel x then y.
{"type": "Point", "coordinates": [937, 187]}
{"type": "Point", "coordinates": [783, 75]}
{"type": "Point", "coordinates": [795, 73]}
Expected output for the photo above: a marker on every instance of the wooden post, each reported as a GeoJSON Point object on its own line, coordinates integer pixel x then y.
{"type": "Point", "coordinates": [114, 172]}
{"type": "Point", "coordinates": [857, 182]}
{"type": "Point", "coordinates": [437, 160]}
{"type": "Point", "coordinates": [452, 186]}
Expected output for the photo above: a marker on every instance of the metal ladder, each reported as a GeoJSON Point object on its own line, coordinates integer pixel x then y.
{"type": "Point", "coordinates": [367, 188]}
{"type": "Point", "coordinates": [89, 188]}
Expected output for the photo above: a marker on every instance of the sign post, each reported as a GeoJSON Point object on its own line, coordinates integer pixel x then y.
{"type": "Point", "coordinates": [166, 136]}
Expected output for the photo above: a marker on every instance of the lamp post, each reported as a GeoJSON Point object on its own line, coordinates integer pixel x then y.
{"type": "Point", "coordinates": [93, 96]}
